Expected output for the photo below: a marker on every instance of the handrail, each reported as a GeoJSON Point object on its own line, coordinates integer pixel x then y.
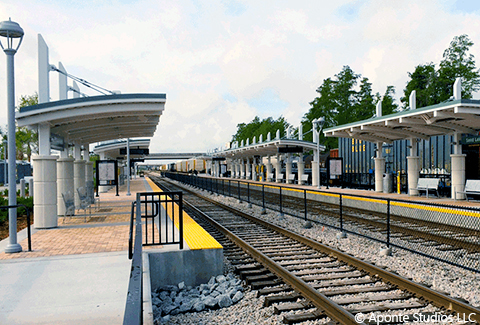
{"type": "Point", "coordinates": [29, 234]}
{"type": "Point", "coordinates": [130, 232]}
{"type": "Point", "coordinates": [134, 306]}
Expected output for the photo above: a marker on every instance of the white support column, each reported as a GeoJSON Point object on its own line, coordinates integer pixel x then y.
{"type": "Point", "coordinates": [78, 172]}
{"type": "Point", "coordinates": [242, 169]}
{"type": "Point", "coordinates": [269, 168]}
{"type": "Point", "coordinates": [45, 189]}
{"type": "Point", "coordinates": [43, 71]}
{"type": "Point", "coordinates": [379, 168]}
{"type": "Point", "coordinates": [458, 168]}
{"type": "Point", "coordinates": [76, 90]}
{"type": "Point", "coordinates": [89, 172]}
{"type": "Point", "coordinates": [128, 167]}
{"type": "Point", "coordinates": [301, 168]}
{"type": "Point", "coordinates": [44, 165]}
{"type": "Point", "coordinates": [254, 169]}
{"type": "Point", "coordinates": [248, 167]}
{"type": "Point", "coordinates": [278, 169]}
{"type": "Point", "coordinates": [288, 167]}
{"type": "Point", "coordinates": [44, 139]}
{"type": "Point", "coordinates": [413, 168]}
{"type": "Point", "coordinates": [316, 159]}
{"type": "Point", "coordinates": [62, 82]}
{"type": "Point", "coordinates": [64, 181]}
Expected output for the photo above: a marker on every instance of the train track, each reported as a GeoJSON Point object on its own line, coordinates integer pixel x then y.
{"type": "Point", "coordinates": [440, 237]}
{"type": "Point", "coordinates": [314, 280]}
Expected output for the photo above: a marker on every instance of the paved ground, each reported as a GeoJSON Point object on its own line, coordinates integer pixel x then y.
{"type": "Point", "coordinates": [77, 273]}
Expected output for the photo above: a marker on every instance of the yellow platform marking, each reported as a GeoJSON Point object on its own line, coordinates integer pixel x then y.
{"type": "Point", "coordinates": [419, 206]}
{"type": "Point", "coordinates": [194, 235]}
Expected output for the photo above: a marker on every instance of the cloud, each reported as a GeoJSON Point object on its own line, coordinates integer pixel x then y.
{"type": "Point", "coordinates": [222, 62]}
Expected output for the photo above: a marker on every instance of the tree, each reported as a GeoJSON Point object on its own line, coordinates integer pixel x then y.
{"type": "Point", "coordinates": [26, 139]}
{"type": "Point", "coordinates": [365, 101]}
{"type": "Point", "coordinates": [345, 95]}
{"type": "Point", "coordinates": [458, 63]}
{"type": "Point", "coordinates": [435, 86]}
{"type": "Point", "coordinates": [424, 81]}
{"type": "Point", "coordinates": [388, 102]}
{"type": "Point", "coordinates": [323, 105]}
{"type": "Point", "coordinates": [337, 103]}
{"type": "Point", "coordinates": [257, 127]}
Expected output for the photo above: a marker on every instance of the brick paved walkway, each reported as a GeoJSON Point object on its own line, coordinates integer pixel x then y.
{"type": "Point", "coordinates": [101, 233]}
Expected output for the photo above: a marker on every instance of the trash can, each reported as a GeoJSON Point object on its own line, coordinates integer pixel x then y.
{"type": "Point", "coordinates": [387, 183]}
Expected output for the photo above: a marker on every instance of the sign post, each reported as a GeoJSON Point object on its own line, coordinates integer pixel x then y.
{"type": "Point", "coordinates": [107, 174]}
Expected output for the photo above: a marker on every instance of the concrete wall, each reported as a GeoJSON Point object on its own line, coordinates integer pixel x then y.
{"type": "Point", "coordinates": [193, 267]}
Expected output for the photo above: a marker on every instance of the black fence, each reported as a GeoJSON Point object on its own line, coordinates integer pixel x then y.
{"type": "Point", "coordinates": [443, 232]}
{"type": "Point", "coordinates": [154, 220]}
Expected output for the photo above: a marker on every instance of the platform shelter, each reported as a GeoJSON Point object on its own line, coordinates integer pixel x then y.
{"type": "Point", "coordinates": [244, 158]}
{"type": "Point", "coordinates": [457, 117]}
{"type": "Point", "coordinates": [76, 123]}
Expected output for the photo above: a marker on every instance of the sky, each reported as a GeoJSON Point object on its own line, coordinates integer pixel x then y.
{"type": "Point", "coordinates": [223, 62]}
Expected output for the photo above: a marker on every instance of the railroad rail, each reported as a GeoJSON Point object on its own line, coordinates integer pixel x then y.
{"type": "Point", "coordinates": [269, 257]}
{"type": "Point", "coordinates": [420, 227]}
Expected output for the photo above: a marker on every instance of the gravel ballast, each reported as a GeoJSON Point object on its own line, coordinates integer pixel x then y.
{"type": "Point", "coordinates": [457, 282]}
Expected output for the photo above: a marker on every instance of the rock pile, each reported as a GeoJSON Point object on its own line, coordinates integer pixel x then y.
{"type": "Point", "coordinates": [221, 291]}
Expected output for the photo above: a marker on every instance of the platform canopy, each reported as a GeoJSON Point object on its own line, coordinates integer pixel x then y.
{"type": "Point", "coordinates": [97, 118]}
{"type": "Point", "coordinates": [268, 148]}
{"type": "Point", "coordinates": [460, 115]}
{"type": "Point", "coordinates": [113, 149]}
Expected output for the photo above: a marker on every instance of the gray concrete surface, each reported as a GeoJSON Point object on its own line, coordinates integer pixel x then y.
{"type": "Point", "coordinates": [73, 289]}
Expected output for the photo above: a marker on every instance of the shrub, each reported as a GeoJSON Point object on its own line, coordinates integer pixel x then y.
{"type": "Point", "coordinates": [28, 202]}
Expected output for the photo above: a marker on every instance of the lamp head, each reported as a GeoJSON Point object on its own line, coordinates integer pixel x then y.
{"type": "Point", "coordinates": [11, 30]}
{"type": "Point", "coordinates": [321, 121]}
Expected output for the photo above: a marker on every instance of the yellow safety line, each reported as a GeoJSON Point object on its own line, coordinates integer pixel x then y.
{"type": "Point", "coordinates": [194, 235]}
{"type": "Point", "coordinates": [383, 201]}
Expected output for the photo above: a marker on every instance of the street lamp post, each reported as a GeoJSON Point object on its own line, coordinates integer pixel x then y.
{"type": "Point", "coordinates": [12, 32]}
{"type": "Point", "coordinates": [318, 126]}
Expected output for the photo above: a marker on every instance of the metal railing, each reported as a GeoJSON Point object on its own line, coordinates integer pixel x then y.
{"type": "Point", "coordinates": [157, 215]}
{"type": "Point", "coordinates": [29, 234]}
{"type": "Point", "coordinates": [443, 232]}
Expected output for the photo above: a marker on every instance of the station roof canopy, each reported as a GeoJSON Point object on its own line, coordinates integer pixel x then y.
{"type": "Point", "coordinates": [117, 148]}
{"type": "Point", "coordinates": [459, 115]}
{"type": "Point", "coordinates": [97, 118]}
{"type": "Point", "coordinates": [268, 148]}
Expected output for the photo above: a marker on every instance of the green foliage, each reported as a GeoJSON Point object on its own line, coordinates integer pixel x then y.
{"type": "Point", "coordinates": [339, 103]}
{"type": "Point", "coordinates": [435, 86]}
{"type": "Point", "coordinates": [424, 81]}
{"type": "Point", "coordinates": [257, 127]}
{"type": "Point", "coordinates": [388, 102]}
{"type": "Point", "coordinates": [3, 212]}
{"type": "Point", "coordinates": [28, 202]}
{"type": "Point", "coordinates": [26, 140]}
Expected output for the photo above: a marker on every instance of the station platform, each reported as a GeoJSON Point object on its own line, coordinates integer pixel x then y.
{"type": "Point", "coordinates": [78, 273]}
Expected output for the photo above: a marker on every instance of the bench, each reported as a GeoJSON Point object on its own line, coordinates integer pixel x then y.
{"type": "Point", "coordinates": [427, 184]}
{"type": "Point", "coordinates": [291, 178]}
{"type": "Point", "coordinates": [472, 187]}
{"type": "Point", "coordinates": [304, 179]}
{"type": "Point", "coordinates": [270, 177]}
{"type": "Point", "coordinates": [280, 178]}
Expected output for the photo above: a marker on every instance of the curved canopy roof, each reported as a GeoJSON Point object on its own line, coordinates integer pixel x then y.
{"type": "Point", "coordinates": [117, 148]}
{"type": "Point", "coordinates": [268, 148]}
{"type": "Point", "coordinates": [97, 118]}
{"type": "Point", "coordinates": [460, 115]}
